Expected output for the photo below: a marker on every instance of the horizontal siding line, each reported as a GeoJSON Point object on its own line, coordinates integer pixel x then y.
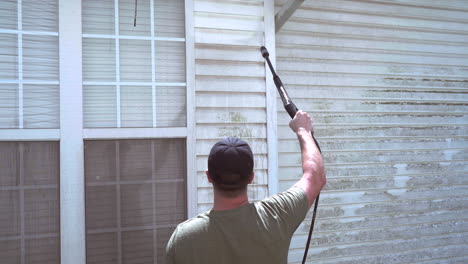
{"type": "Point", "coordinates": [380, 253]}
{"type": "Point", "coordinates": [231, 123]}
{"type": "Point", "coordinates": [229, 108]}
{"type": "Point", "coordinates": [435, 89]}
{"type": "Point", "coordinates": [419, 187]}
{"type": "Point", "coordinates": [377, 99]}
{"type": "Point", "coordinates": [227, 30]}
{"type": "Point", "coordinates": [378, 26]}
{"type": "Point", "coordinates": [404, 213]}
{"type": "Point", "coordinates": [372, 138]}
{"type": "Point", "coordinates": [378, 38]}
{"type": "Point", "coordinates": [230, 15]}
{"type": "Point", "coordinates": [211, 92]}
{"type": "Point", "coordinates": [239, 62]}
{"type": "Point", "coordinates": [216, 77]}
{"type": "Point", "coordinates": [421, 113]}
{"type": "Point", "coordinates": [357, 177]}
{"type": "Point", "coordinates": [382, 14]}
{"type": "Point", "coordinates": [393, 202]}
{"type": "Point", "coordinates": [286, 45]}
{"type": "Point", "coordinates": [382, 227]}
{"type": "Point", "coordinates": [463, 257]}
{"type": "Point", "coordinates": [203, 45]}
{"type": "Point", "coordinates": [379, 150]}
{"type": "Point", "coordinates": [409, 212]}
{"type": "Point", "coordinates": [399, 125]}
{"type": "Point", "coordinates": [389, 51]}
{"type": "Point", "coordinates": [387, 76]}
{"type": "Point", "coordinates": [373, 228]}
{"type": "Point", "coordinates": [381, 163]}
{"type": "Point", "coordinates": [228, 76]}
{"type": "Point", "coordinates": [362, 62]}
{"type": "Point", "coordinates": [405, 3]}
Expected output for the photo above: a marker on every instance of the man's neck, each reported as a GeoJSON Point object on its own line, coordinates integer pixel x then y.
{"type": "Point", "coordinates": [222, 203]}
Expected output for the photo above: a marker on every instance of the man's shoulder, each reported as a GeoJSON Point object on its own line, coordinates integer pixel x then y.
{"type": "Point", "coordinates": [193, 225]}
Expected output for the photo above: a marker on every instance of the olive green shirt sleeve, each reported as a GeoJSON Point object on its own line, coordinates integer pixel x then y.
{"type": "Point", "coordinates": [170, 250]}
{"type": "Point", "coordinates": [290, 208]}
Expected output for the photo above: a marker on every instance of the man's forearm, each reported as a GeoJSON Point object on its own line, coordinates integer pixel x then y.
{"type": "Point", "coordinates": [311, 157]}
{"type": "Point", "coordinates": [313, 172]}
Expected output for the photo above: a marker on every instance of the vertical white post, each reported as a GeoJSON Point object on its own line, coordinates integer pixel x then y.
{"type": "Point", "coordinates": [72, 203]}
{"type": "Point", "coordinates": [117, 59]}
{"type": "Point", "coordinates": [153, 64]}
{"type": "Point", "coordinates": [192, 185]}
{"type": "Point", "coordinates": [20, 65]}
{"type": "Point", "coordinates": [272, 128]}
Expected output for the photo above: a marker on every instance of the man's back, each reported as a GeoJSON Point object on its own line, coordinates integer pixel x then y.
{"type": "Point", "coordinates": [254, 233]}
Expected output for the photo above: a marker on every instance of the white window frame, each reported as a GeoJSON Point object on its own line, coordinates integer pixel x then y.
{"type": "Point", "coordinates": [72, 135]}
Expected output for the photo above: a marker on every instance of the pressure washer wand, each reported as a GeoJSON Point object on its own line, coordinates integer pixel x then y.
{"type": "Point", "coordinates": [291, 109]}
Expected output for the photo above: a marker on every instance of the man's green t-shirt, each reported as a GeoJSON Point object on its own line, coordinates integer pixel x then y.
{"type": "Point", "coordinates": [257, 232]}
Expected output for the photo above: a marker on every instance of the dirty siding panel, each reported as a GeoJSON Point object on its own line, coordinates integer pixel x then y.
{"type": "Point", "coordinates": [230, 86]}
{"type": "Point", "coordinates": [387, 84]}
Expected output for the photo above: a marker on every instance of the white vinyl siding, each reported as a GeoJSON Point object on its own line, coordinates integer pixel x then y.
{"type": "Point", "coordinates": [386, 84]}
{"type": "Point", "coordinates": [230, 86]}
{"type": "Point", "coordinates": [29, 70]}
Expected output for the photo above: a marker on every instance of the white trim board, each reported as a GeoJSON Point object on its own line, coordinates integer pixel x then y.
{"type": "Point", "coordinates": [192, 188]}
{"type": "Point", "coordinates": [72, 192]}
{"type": "Point", "coordinates": [272, 128]}
{"type": "Point", "coordinates": [29, 134]}
{"type": "Point", "coordinates": [134, 133]}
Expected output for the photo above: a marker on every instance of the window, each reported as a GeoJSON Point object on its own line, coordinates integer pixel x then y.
{"type": "Point", "coordinates": [29, 68]}
{"type": "Point", "coordinates": [134, 76]}
{"type": "Point", "coordinates": [135, 197]}
{"type": "Point", "coordinates": [29, 202]}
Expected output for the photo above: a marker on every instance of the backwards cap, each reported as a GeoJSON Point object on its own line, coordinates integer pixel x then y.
{"type": "Point", "coordinates": [230, 162]}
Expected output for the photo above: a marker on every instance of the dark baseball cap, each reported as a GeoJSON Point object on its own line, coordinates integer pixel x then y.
{"type": "Point", "coordinates": [230, 162]}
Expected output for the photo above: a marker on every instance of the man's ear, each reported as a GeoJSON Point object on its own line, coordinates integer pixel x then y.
{"type": "Point", "coordinates": [208, 176]}
{"type": "Point", "coordinates": [251, 177]}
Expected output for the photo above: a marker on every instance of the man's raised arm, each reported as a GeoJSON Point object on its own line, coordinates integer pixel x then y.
{"type": "Point", "coordinates": [313, 171]}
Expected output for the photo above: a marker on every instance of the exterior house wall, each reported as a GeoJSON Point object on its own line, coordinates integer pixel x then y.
{"type": "Point", "coordinates": [386, 83]}
{"type": "Point", "coordinates": [230, 86]}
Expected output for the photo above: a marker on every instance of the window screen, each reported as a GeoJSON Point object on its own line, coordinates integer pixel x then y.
{"type": "Point", "coordinates": [29, 202]}
{"type": "Point", "coordinates": [29, 68]}
{"type": "Point", "coordinates": [135, 197]}
{"type": "Point", "coordinates": [134, 75]}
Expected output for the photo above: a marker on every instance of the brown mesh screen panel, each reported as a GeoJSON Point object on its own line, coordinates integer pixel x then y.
{"type": "Point", "coordinates": [29, 202]}
{"type": "Point", "coordinates": [43, 250]}
{"type": "Point", "coordinates": [137, 247]}
{"type": "Point", "coordinates": [101, 248]}
{"type": "Point", "coordinates": [135, 197]}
